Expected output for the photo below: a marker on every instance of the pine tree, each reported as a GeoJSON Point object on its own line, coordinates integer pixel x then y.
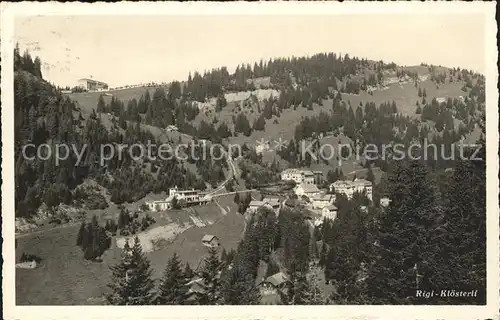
{"type": "Point", "coordinates": [188, 272]}
{"type": "Point", "coordinates": [406, 256]}
{"type": "Point", "coordinates": [80, 236]}
{"type": "Point", "coordinates": [131, 282]}
{"type": "Point", "coordinates": [101, 105]}
{"type": "Point", "coordinates": [211, 277]}
{"type": "Point", "coordinates": [172, 285]}
{"type": "Point", "coordinates": [238, 288]}
{"type": "Point", "coordinates": [464, 244]}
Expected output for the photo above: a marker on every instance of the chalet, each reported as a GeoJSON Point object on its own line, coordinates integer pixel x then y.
{"type": "Point", "coordinates": [254, 205]}
{"type": "Point", "coordinates": [171, 128]}
{"type": "Point", "coordinates": [441, 100]}
{"type": "Point", "coordinates": [329, 212]}
{"type": "Point", "coordinates": [272, 202]}
{"type": "Point", "coordinates": [308, 190]}
{"type": "Point", "coordinates": [210, 241]}
{"type": "Point", "coordinates": [273, 283]}
{"type": "Point", "coordinates": [322, 200]}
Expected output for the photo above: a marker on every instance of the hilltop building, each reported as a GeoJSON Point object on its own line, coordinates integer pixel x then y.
{"type": "Point", "coordinates": [185, 197]}
{"type": "Point", "coordinates": [92, 85]}
{"type": "Point", "coordinates": [348, 188]}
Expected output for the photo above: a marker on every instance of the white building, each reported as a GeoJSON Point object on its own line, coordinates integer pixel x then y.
{"type": "Point", "coordinates": [92, 85]}
{"type": "Point", "coordinates": [292, 174]}
{"type": "Point", "coordinates": [362, 185]}
{"type": "Point", "coordinates": [159, 205]}
{"type": "Point", "coordinates": [342, 187]}
{"type": "Point", "coordinates": [254, 205]}
{"type": "Point", "coordinates": [322, 200]}
{"type": "Point", "coordinates": [299, 176]}
{"type": "Point", "coordinates": [187, 197]}
{"type": "Point", "coordinates": [273, 202]}
{"type": "Point", "coordinates": [308, 190]}
{"type": "Point", "coordinates": [441, 100]}
{"type": "Point", "coordinates": [348, 188]}
{"type": "Point", "coordinates": [329, 212]}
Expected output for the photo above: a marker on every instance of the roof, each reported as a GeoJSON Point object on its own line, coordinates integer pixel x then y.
{"type": "Point", "coordinates": [256, 203]}
{"type": "Point", "coordinates": [91, 80]}
{"type": "Point", "coordinates": [272, 201]}
{"type": "Point", "coordinates": [290, 171]}
{"type": "Point", "coordinates": [307, 173]}
{"type": "Point", "coordinates": [331, 207]}
{"type": "Point", "coordinates": [342, 183]}
{"type": "Point", "coordinates": [309, 188]}
{"type": "Point", "coordinates": [276, 279]}
{"type": "Point", "coordinates": [208, 237]}
{"type": "Point", "coordinates": [362, 182]}
{"type": "Point", "coordinates": [324, 196]}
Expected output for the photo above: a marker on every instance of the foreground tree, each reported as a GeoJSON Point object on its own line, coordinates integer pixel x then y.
{"type": "Point", "coordinates": [211, 277]}
{"type": "Point", "coordinates": [406, 254]}
{"type": "Point", "coordinates": [172, 285]}
{"type": "Point", "coordinates": [131, 282]}
{"type": "Point", "coordinates": [238, 288]}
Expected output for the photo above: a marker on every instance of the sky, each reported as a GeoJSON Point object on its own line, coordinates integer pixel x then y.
{"type": "Point", "coordinates": [136, 49]}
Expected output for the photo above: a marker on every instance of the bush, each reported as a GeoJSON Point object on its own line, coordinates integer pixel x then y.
{"type": "Point", "coordinates": [28, 257]}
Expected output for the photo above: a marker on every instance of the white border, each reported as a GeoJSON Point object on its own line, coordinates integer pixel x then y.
{"type": "Point", "coordinates": [8, 11]}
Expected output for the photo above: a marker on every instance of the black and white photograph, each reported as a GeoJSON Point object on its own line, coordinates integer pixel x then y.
{"type": "Point", "coordinates": [250, 156]}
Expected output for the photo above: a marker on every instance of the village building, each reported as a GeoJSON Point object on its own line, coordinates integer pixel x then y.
{"type": "Point", "coordinates": [308, 190]}
{"type": "Point", "coordinates": [272, 284]}
{"type": "Point", "coordinates": [272, 202]}
{"type": "Point", "coordinates": [299, 176]}
{"type": "Point", "coordinates": [209, 240]}
{"type": "Point", "coordinates": [318, 177]}
{"type": "Point", "coordinates": [256, 204]}
{"type": "Point", "coordinates": [441, 100]}
{"type": "Point", "coordinates": [362, 185]}
{"type": "Point", "coordinates": [342, 187]}
{"type": "Point", "coordinates": [329, 212]}
{"type": "Point", "coordinates": [348, 188]}
{"type": "Point", "coordinates": [322, 200]}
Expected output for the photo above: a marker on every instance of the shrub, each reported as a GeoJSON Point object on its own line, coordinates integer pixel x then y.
{"type": "Point", "coordinates": [28, 257]}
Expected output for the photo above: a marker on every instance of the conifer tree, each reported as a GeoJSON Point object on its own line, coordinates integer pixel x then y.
{"type": "Point", "coordinates": [188, 272]}
{"type": "Point", "coordinates": [211, 277]}
{"type": "Point", "coordinates": [406, 255]}
{"type": "Point", "coordinates": [131, 282]}
{"type": "Point", "coordinates": [80, 236]}
{"type": "Point", "coordinates": [172, 285]}
{"type": "Point", "coordinates": [238, 287]}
